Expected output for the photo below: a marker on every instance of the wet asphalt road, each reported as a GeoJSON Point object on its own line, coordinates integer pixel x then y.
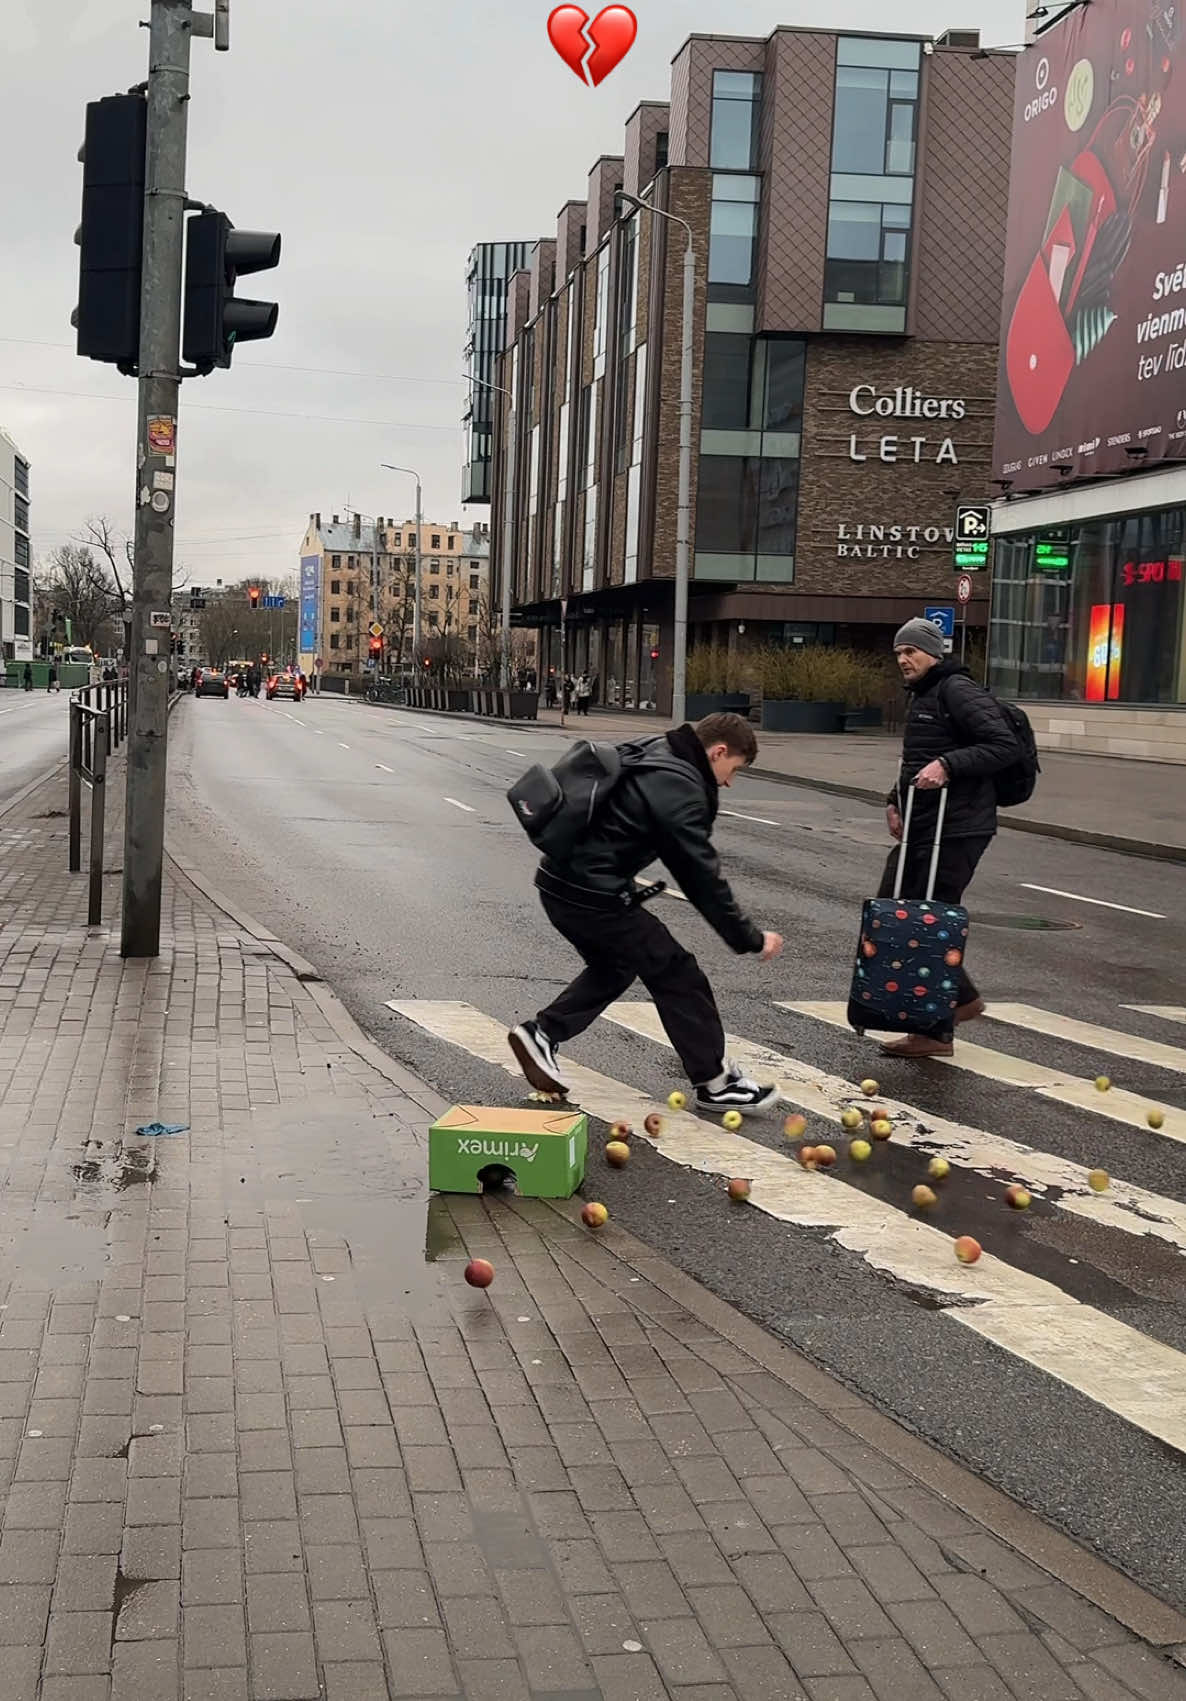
{"type": "Point", "coordinates": [379, 844]}
{"type": "Point", "coordinates": [34, 729]}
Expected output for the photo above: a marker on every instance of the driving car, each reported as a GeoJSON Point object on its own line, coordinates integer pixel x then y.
{"type": "Point", "coordinates": [212, 684]}
{"type": "Point", "coordinates": [287, 685]}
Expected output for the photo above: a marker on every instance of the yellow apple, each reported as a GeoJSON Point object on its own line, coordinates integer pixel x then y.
{"type": "Point", "coordinates": [617, 1153]}
{"type": "Point", "coordinates": [938, 1169]}
{"type": "Point", "coordinates": [860, 1151]}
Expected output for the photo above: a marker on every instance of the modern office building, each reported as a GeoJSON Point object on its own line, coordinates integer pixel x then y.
{"type": "Point", "coordinates": [16, 591]}
{"type": "Point", "coordinates": [845, 197]}
{"type": "Point", "coordinates": [1089, 559]}
{"type": "Point", "coordinates": [487, 272]}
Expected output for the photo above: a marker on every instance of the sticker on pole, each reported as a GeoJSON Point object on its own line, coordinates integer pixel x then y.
{"type": "Point", "coordinates": [963, 588]}
{"type": "Point", "coordinates": [162, 434]}
{"type": "Point", "coordinates": [160, 617]}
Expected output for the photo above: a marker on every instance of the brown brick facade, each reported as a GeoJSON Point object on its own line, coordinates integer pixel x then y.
{"type": "Point", "coordinates": [889, 488]}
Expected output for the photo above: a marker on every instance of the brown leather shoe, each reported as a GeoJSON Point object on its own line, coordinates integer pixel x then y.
{"type": "Point", "coordinates": [968, 1012]}
{"type": "Point", "coordinates": [918, 1045]}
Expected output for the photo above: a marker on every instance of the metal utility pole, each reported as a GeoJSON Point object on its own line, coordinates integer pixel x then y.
{"type": "Point", "coordinates": [170, 34]}
{"type": "Point", "coordinates": [683, 522]}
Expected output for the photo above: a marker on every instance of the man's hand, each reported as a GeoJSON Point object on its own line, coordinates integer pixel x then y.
{"type": "Point", "coordinates": [771, 947]}
{"type": "Point", "coordinates": [933, 776]}
{"type": "Point", "coordinates": [893, 821]}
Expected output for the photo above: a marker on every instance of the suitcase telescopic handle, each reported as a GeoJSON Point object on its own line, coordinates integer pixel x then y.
{"type": "Point", "coordinates": [929, 894]}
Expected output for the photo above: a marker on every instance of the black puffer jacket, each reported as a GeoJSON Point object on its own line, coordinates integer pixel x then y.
{"type": "Point", "coordinates": [663, 807]}
{"type": "Point", "coordinates": [958, 721]}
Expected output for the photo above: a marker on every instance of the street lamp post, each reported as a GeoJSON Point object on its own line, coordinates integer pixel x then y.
{"type": "Point", "coordinates": [506, 548]}
{"type": "Point", "coordinates": [679, 655]}
{"type": "Point", "coordinates": [388, 467]}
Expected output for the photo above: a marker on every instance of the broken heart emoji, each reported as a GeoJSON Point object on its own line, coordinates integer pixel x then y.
{"type": "Point", "coordinates": [610, 36]}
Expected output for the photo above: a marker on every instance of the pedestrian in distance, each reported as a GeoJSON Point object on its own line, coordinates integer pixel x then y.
{"type": "Point", "coordinates": [584, 694]}
{"type": "Point", "coordinates": [956, 736]}
{"type": "Point", "coordinates": [550, 689]}
{"type": "Point", "coordinates": [661, 806]}
{"type": "Point", "coordinates": [51, 683]}
{"type": "Point", "coordinates": [27, 677]}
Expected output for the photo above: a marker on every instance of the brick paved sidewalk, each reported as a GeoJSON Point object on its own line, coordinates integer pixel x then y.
{"type": "Point", "coordinates": [259, 1442]}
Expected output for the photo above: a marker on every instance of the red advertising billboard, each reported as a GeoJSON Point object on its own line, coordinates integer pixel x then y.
{"type": "Point", "coordinates": [1093, 340]}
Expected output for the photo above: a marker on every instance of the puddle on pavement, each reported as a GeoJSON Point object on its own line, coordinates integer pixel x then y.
{"type": "Point", "coordinates": [57, 1248]}
{"type": "Point", "coordinates": [1027, 923]}
{"type": "Point", "coordinates": [355, 1186]}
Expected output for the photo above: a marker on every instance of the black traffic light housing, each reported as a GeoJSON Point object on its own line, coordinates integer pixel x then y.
{"type": "Point", "coordinates": [111, 234]}
{"type": "Point", "coordinates": [253, 595]}
{"type": "Point", "coordinates": [216, 255]}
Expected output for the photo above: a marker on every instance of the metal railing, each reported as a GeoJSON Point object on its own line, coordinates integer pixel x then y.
{"type": "Point", "coordinates": [96, 726]}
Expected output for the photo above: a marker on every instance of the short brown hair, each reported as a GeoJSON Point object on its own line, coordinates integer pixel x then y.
{"type": "Point", "coordinates": [733, 731]}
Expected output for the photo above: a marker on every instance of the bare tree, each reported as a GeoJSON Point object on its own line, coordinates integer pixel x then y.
{"type": "Point", "coordinates": [234, 631]}
{"type": "Point", "coordinates": [81, 590]}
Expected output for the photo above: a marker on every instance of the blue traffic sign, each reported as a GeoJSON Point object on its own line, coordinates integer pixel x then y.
{"type": "Point", "coordinates": [944, 619]}
{"type": "Point", "coordinates": [272, 602]}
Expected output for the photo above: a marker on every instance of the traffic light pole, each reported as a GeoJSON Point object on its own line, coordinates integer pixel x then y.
{"type": "Point", "coordinates": [170, 34]}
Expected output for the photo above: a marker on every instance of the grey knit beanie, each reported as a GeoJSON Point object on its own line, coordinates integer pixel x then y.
{"type": "Point", "coordinates": [922, 635]}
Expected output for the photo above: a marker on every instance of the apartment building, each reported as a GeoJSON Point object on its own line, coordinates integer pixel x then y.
{"type": "Point", "coordinates": [16, 569]}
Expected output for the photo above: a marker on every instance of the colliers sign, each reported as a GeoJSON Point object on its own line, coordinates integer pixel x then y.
{"type": "Point", "coordinates": [906, 403]}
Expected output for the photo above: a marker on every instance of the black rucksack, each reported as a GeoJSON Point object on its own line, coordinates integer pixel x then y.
{"type": "Point", "coordinates": [1015, 784]}
{"type": "Point", "coordinates": [555, 806]}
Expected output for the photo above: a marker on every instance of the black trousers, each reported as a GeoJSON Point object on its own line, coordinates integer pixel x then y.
{"type": "Point", "coordinates": [957, 864]}
{"type": "Point", "coordinates": [619, 947]}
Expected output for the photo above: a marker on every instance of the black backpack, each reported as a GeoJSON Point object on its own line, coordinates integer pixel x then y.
{"type": "Point", "coordinates": [1015, 784]}
{"type": "Point", "coordinates": [555, 806]}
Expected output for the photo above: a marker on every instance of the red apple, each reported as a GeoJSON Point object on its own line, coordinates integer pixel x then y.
{"type": "Point", "coordinates": [479, 1272]}
{"type": "Point", "coordinates": [1017, 1197]}
{"type": "Point", "coordinates": [594, 1215]}
{"type": "Point", "coordinates": [654, 1125]}
{"type": "Point", "coordinates": [617, 1153]}
{"type": "Point", "coordinates": [825, 1156]}
{"type": "Point", "coordinates": [967, 1250]}
{"type": "Point", "coordinates": [924, 1197]}
{"type": "Point", "coordinates": [620, 1131]}
{"type": "Point", "coordinates": [739, 1188]}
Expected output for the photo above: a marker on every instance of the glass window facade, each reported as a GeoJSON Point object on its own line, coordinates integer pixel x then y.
{"type": "Point", "coordinates": [733, 230]}
{"type": "Point", "coordinates": [874, 135]}
{"type": "Point", "coordinates": [736, 105]}
{"type": "Point", "coordinates": [1092, 613]}
{"type": "Point", "coordinates": [491, 264]}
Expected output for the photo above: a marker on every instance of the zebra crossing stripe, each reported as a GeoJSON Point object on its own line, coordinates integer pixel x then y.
{"type": "Point", "coordinates": [1118, 1105]}
{"type": "Point", "coordinates": [1132, 1047]}
{"type": "Point", "coordinates": [1167, 1012]}
{"type": "Point", "coordinates": [1124, 1371]}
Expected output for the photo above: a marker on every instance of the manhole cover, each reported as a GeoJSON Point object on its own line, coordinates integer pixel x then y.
{"type": "Point", "coordinates": [1028, 923]}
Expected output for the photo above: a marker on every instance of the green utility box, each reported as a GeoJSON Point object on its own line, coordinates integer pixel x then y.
{"type": "Point", "coordinates": [473, 1146]}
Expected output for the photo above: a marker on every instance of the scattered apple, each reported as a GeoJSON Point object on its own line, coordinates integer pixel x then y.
{"type": "Point", "coordinates": [739, 1188]}
{"type": "Point", "coordinates": [676, 1100]}
{"type": "Point", "coordinates": [860, 1151]}
{"type": "Point", "coordinates": [617, 1153]}
{"type": "Point", "coordinates": [479, 1273]}
{"type": "Point", "coordinates": [869, 1088]}
{"type": "Point", "coordinates": [593, 1215]}
{"type": "Point", "coordinates": [795, 1127]}
{"type": "Point", "coordinates": [877, 1113]}
{"type": "Point", "coordinates": [881, 1129]}
{"type": "Point", "coordinates": [850, 1118]}
{"type": "Point", "coordinates": [807, 1157]}
{"type": "Point", "coordinates": [924, 1197]}
{"type": "Point", "coordinates": [1103, 1084]}
{"type": "Point", "coordinates": [967, 1250]}
{"type": "Point", "coordinates": [1097, 1180]}
{"type": "Point", "coordinates": [825, 1156]}
{"type": "Point", "coordinates": [654, 1125]}
{"type": "Point", "coordinates": [1017, 1197]}
{"type": "Point", "coordinates": [620, 1131]}
{"type": "Point", "coordinates": [731, 1120]}
{"type": "Point", "coordinates": [1156, 1119]}
{"type": "Point", "coordinates": [938, 1169]}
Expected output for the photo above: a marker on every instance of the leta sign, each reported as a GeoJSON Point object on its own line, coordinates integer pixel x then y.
{"type": "Point", "coordinates": [907, 403]}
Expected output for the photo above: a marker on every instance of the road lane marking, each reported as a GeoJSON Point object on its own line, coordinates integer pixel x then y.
{"type": "Point", "coordinates": [342, 746]}
{"type": "Point", "coordinates": [1118, 1105]}
{"type": "Point", "coordinates": [1122, 1370]}
{"type": "Point", "coordinates": [517, 753]}
{"type": "Point", "coordinates": [1100, 903]}
{"type": "Point", "coordinates": [1111, 1040]}
{"type": "Point", "coordinates": [1167, 1012]}
{"type": "Point", "coordinates": [386, 770]}
{"type": "Point", "coordinates": [1126, 1207]}
{"type": "Point", "coordinates": [457, 804]}
{"type": "Point", "coordinates": [320, 731]}
{"type": "Point", "coordinates": [737, 816]}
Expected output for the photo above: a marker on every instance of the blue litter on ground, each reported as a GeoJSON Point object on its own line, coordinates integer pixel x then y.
{"type": "Point", "coordinates": [164, 1128]}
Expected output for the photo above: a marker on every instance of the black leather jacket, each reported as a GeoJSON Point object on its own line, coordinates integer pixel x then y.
{"type": "Point", "coordinates": [954, 719]}
{"type": "Point", "coordinates": [663, 807]}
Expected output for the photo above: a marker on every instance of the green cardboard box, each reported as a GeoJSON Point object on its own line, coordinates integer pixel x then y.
{"type": "Point", "coordinates": [544, 1150]}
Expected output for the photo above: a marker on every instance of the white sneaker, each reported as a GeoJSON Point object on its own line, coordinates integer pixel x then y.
{"type": "Point", "coordinates": [536, 1056]}
{"type": "Point", "coordinates": [737, 1093]}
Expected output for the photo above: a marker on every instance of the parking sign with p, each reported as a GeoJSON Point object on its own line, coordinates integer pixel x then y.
{"type": "Point", "coordinates": [973, 523]}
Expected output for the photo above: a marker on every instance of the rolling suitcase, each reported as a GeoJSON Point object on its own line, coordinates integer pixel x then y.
{"type": "Point", "coordinates": [905, 980]}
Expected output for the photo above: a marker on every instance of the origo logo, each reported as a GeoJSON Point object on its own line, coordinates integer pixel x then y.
{"type": "Point", "coordinates": [1045, 95]}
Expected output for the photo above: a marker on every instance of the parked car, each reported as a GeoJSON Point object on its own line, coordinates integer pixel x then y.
{"type": "Point", "coordinates": [213, 684]}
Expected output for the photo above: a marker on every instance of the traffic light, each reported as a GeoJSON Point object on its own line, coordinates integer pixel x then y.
{"type": "Point", "coordinates": [253, 595]}
{"type": "Point", "coordinates": [111, 234]}
{"type": "Point", "coordinates": [376, 646]}
{"type": "Point", "coordinates": [216, 255]}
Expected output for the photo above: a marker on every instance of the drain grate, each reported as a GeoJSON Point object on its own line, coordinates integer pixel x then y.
{"type": "Point", "coordinates": [1028, 923]}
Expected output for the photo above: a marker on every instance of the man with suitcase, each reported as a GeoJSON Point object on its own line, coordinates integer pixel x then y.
{"type": "Point", "coordinates": [661, 807]}
{"type": "Point", "coordinates": [957, 737]}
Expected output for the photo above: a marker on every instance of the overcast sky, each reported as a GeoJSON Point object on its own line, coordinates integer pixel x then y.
{"type": "Point", "coordinates": [383, 139]}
